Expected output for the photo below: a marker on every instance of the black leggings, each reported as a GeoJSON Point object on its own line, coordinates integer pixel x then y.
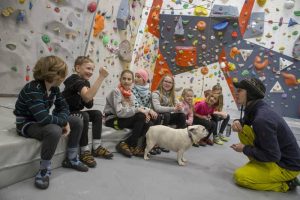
{"type": "Point", "coordinates": [217, 118]}
{"type": "Point", "coordinates": [94, 116]}
{"type": "Point", "coordinates": [210, 125]}
{"type": "Point", "coordinates": [177, 119]}
{"type": "Point", "coordinates": [136, 123]}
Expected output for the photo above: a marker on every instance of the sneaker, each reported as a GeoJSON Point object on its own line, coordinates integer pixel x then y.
{"type": "Point", "coordinates": [164, 150]}
{"type": "Point", "coordinates": [102, 152]}
{"type": "Point", "coordinates": [87, 159]}
{"type": "Point", "coordinates": [137, 151]}
{"type": "Point", "coordinates": [218, 141]}
{"type": "Point", "coordinates": [202, 142]}
{"type": "Point", "coordinates": [195, 145]}
{"type": "Point", "coordinates": [123, 148]}
{"type": "Point", "coordinates": [153, 151]}
{"type": "Point", "coordinates": [75, 164]}
{"type": "Point", "coordinates": [42, 179]}
{"type": "Point", "coordinates": [223, 138]}
{"type": "Point", "coordinates": [293, 183]}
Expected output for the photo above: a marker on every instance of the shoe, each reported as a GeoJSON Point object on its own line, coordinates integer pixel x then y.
{"type": "Point", "coordinates": [209, 142]}
{"type": "Point", "coordinates": [293, 183]}
{"type": "Point", "coordinates": [218, 141]}
{"type": "Point", "coordinates": [75, 164]}
{"type": "Point", "coordinates": [202, 142]}
{"type": "Point", "coordinates": [157, 150]}
{"type": "Point", "coordinates": [223, 138]}
{"type": "Point", "coordinates": [42, 179]}
{"type": "Point", "coordinates": [102, 152]}
{"type": "Point", "coordinates": [87, 159]}
{"type": "Point", "coordinates": [137, 151]}
{"type": "Point", "coordinates": [123, 148]}
{"type": "Point", "coordinates": [153, 151]}
{"type": "Point", "coordinates": [164, 150]}
{"type": "Point", "coordinates": [195, 145]}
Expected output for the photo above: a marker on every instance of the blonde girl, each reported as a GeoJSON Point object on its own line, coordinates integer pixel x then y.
{"type": "Point", "coordinates": [187, 104]}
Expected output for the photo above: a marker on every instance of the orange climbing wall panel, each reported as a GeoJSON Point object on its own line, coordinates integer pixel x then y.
{"type": "Point", "coordinates": [185, 56]}
{"type": "Point", "coordinates": [161, 68]}
{"type": "Point", "coordinates": [153, 18]}
{"type": "Point", "coordinates": [245, 15]}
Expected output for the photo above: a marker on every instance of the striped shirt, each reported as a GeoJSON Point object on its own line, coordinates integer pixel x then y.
{"type": "Point", "coordinates": [33, 105]}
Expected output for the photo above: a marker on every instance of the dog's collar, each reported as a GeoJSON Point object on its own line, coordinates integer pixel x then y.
{"type": "Point", "coordinates": [190, 136]}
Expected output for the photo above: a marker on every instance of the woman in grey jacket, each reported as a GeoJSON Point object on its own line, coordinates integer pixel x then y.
{"type": "Point", "coordinates": [121, 112]}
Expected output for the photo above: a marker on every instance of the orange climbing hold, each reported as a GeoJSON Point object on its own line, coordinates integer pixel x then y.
{"type": "Point", "coordinates": [259, 65]}
{"type": "Point", "coordinates": [289, 79]}
{"type": "Point", "coordinates": [98, 24]}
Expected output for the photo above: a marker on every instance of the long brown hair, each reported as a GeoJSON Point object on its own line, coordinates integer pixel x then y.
{"type": "Point", "coordinates": [161, 90]}
{"type": "Point", "coordinates": [217, 89]}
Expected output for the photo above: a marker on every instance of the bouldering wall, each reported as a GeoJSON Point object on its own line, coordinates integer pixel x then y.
{"type": "Point", "coordinates": [240, 40]}
{"type": "Point", "coordinates": [111, 44]}
{"type": "Point", "coordinates": [32, 29]}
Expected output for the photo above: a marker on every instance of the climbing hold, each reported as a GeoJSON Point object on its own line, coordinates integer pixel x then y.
{"type": "Point", "coordinates": [259, 65]}
{"type": "Point", "coordinates": [280, 21]}
{"type": "Point", "coordinates": [234, 51]}
{"type": "Point", "coordinates": [11, 46]}
{"type": "Point", "coordinates": [292, 22]}
{"type": "Point", "coordinates": [234, 34]}
{"type": "Point", "coordinates": [220, 26]}
{"type": "Point", "coordinates": [200, 11]}
{"type": "Point", "coordinates": [297, 13]}
{"type": "Point", "coordinates": [289, 79]}
{"type": "Point", "coordinates": [45, 38]}
{"type": "Point", "coordinates": [21, 16]}
{"type": "Point", "coordinates": [21, 1]}
{"type": "Point", "coordinates": [204, 70]}
{"type": "Point", "coordinates": [261, 3]}
{"type": "Point", "coordinates": [92, 7]}
{"type": "Point", "coordinates": [201, 25]}
{"type": "Point", "coordinates": [289, 4]}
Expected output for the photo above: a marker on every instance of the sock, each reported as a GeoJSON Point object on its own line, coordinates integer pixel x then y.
{"type": "Point", "coordinates": [84, 148]}
{"type": "Point", "coordinates": [71, 153]}
{"type": "Point", "coordinates": [96, 143]}
{"type": "Point", "coordinates": [45, 164]}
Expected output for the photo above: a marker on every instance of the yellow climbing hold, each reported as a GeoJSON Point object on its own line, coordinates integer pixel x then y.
{"type": "Point", "coordinates": [261, 3]}
{"type": "Point", "coordinates": [200, 11]}
{"type": "Point", "coordinates": [231, 66]}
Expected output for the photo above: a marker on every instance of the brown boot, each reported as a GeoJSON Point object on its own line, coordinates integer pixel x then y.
{"type": "Point", "coordinates": [123, 148]}
{"type": "Point", "coordinates": [102, 152]}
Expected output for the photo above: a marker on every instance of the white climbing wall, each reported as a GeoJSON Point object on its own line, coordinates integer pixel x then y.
{"type": "Point", "coordinates": [64, 24]}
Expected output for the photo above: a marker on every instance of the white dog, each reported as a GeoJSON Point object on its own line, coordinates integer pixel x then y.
{"type": "Point", "coordinates": [178, 140]}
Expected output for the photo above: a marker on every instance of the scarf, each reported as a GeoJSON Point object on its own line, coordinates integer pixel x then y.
{"type": "Point", "coordinates": [143, 90]}
{"type": "Point", "coordinates": [125, 93]}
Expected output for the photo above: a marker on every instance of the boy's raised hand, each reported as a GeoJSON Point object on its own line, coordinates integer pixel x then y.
{"type": "Point", "coordinates": [103, 72]}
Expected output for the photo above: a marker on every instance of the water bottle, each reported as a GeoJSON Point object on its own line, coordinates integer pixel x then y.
{"type": "Point", "coordinates": [228, 130]}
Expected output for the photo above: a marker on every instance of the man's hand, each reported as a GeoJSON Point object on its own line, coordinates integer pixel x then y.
{"type": "Point", "coordinates": [66, 130]}
{"type": "Point", "coordinates": [238, 147]}
{"type": "Point", "coordinates": [236, 126]}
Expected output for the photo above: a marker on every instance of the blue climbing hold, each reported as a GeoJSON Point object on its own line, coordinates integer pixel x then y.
{"type": "Point", "coordinates": [220, 26]}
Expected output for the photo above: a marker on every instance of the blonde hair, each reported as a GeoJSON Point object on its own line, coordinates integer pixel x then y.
{"type": "Point", "coordinates": [184, 92]}
{"type": "Point", "coordinates": [161, 90]}
{"type": "Point", "coordinates": [211, 95]}
{"type": "Point", "coordinates": [217, 89]}
{"type": "Point", "coordinates": [47, 68]}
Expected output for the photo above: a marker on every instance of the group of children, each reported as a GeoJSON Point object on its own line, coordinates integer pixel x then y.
{"type": "Point", "coordinates": [130, 105]}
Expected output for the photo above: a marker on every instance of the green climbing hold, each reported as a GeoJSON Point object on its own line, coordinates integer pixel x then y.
{"type": "Point", "coordinates": [297, 12]}
{"type": "Point", "coordinates": [46, 39]}
{"type": "Point", "coordinates": [275, 28]}
{"type": "Point", "coordinates": [116, 43]}
{"type": "Point", "coordinates": [105, 40]}
{"type": "Point", "coordinates": [185, 6]}
{"type": "Point", "coordinates": [295, 33]}
{"type": "Point", "coordinates": [235, 24]}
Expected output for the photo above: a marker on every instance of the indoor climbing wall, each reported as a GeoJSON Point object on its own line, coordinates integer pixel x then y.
{"type": "Point", "coordinates": [112, 39]}
{"type": "Point", "coordinates": [31, 29]}
{"type": "Point", "coordinates": [205, 42]}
